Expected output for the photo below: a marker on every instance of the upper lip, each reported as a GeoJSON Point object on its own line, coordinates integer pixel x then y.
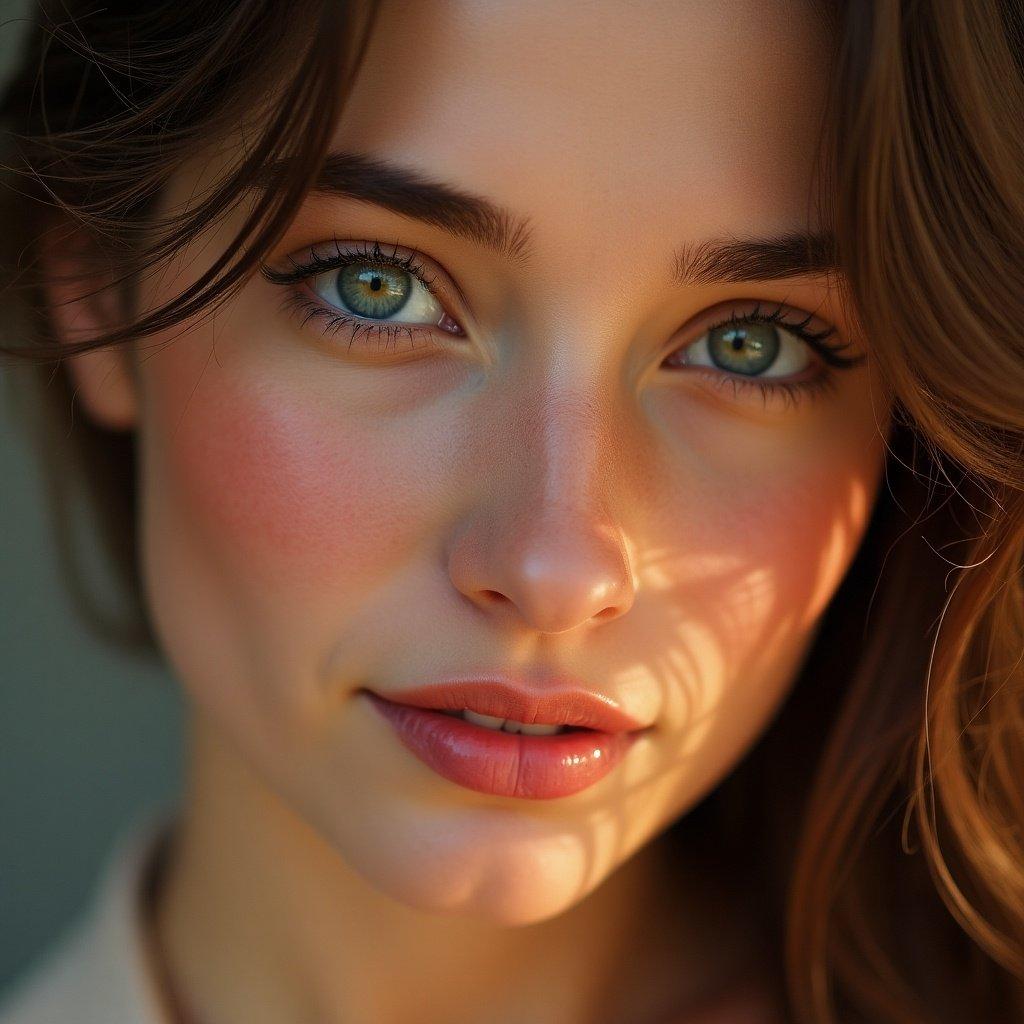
{"type": "Point", "coordinates": [561, 702]}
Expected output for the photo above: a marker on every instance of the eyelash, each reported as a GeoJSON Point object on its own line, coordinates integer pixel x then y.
{"type": "Point", "coordinates": [790, 391]}
{"type": "Point", "coordinates": [334, 322]}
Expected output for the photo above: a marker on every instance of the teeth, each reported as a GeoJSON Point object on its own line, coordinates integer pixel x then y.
{"type": "Point", "coordinates": [532, 730]}
{"type": "Point", "coordinates": [489, 720]}
{"type": "Point", "coordinates": [509, 725]}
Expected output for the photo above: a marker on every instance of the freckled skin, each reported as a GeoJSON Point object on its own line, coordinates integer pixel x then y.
{"type": "Point", "coordinates": [536, 495]}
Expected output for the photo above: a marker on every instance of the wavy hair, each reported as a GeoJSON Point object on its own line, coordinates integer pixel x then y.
{"type": "Point", "coordinates": [886, 802]}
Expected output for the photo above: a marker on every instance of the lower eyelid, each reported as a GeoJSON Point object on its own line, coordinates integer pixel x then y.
{"type": "Point", "coordinates": [336, 322]}
{"type": "Point", "coordinates": [789, 391]}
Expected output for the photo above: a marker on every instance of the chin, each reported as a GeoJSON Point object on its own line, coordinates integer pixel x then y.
{"type": "Point", "coordinates": [461, 873]}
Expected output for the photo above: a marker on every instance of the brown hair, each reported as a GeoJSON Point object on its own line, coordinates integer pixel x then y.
{"type": "Point", "coordinates": [886, 803]}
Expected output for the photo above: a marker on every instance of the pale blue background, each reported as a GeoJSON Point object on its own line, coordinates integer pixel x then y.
{"type": "Point", "coordinates": [89, 739]}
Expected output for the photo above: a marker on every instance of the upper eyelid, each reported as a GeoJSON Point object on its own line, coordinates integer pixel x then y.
{"type": "Point", "coordinates": [351, 250]}
{"type": "Point", "coordinates": [794, 319]}
{"type": "Point", "coordinates": [737, 309]}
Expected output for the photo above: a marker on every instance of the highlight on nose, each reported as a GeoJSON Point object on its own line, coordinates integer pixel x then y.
{"type": "Point", "coordinates": [551, 582]}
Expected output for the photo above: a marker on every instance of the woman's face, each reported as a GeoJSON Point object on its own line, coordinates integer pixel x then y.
{"type": "Point", "coordinates": [573, 465]}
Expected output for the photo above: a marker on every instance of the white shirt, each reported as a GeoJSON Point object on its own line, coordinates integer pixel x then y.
{"type": "Point", "coordinates": [97, 971]}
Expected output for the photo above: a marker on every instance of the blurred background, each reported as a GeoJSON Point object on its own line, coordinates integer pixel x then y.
{"type": "Point", "coordinates": [89, 739]}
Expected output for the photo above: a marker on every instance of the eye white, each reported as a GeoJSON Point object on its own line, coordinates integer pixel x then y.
{"type": "Point", "coordinates": [420, 307]}
{"type": "Point", "coordinates": [792, 358]}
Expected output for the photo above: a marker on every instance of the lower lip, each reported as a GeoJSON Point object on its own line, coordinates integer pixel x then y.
{"type": "Point", "coordinates": [505, 763]}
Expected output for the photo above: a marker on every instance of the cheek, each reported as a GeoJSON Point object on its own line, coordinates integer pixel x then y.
{"type": "Point", "coordinates": [802, 534]}
{"type": "Point", "coordinates": [824, 508]}
{"type": "Point", "coordinates": [812, 497]}
{"type": "Point", "coordinates": [758, 532]}
{"type": "Point", "coordinates": [752, 582]}
{"type": "Point", "coordinates": [279, 490]}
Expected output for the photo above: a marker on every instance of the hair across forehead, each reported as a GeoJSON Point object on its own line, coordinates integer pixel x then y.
{"type": "Point", "coordinates": [129, 97]}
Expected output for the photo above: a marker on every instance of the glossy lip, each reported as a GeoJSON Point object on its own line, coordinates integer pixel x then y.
{"type": "Point", "coordinates": [520, 700]}
{"type": "Point", "coordinates": [502, 763]}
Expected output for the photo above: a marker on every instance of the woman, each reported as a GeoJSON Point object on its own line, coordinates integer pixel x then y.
{"type": "Point", "coordinates": [642, 381]}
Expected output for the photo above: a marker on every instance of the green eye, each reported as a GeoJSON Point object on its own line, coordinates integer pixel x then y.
{"type": "Point", "coordinates": [746, 348]}
{"type": "Point", "coordinates": [749, 348]}
{"type": "Point", "coordinates": [371, 291]}
{"type": "Point", "coordinates": [378, 292]}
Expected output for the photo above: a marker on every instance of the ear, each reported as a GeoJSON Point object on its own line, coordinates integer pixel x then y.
{"type": "Point", "coordinates": [84, 304]}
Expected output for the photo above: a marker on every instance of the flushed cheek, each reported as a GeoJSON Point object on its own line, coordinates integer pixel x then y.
{"type": "Point", "coordinates": [280, 491]}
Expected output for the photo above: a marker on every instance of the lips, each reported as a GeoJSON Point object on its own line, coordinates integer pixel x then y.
{"type": "Point", "coordinates": [564, 704]}
{"type": "Point", "coordinates": [511, 764]}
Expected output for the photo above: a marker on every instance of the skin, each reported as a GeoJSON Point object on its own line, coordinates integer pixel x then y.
{"type": "Point", "coordinates": [540, 494]}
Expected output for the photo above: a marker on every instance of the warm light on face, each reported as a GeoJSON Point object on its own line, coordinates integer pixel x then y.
{"type": "Point", "coordinates": [563, 460]}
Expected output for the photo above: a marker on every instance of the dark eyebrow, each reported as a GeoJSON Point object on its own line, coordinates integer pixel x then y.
{"type": "Point", "coordinates": [407, 192]}
{"type": "Point", "coordinates": [756, 259]}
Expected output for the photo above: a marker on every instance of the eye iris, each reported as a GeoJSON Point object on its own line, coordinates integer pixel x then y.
{"type": "Point", "coordinates": [373, 291]}
{"type": "Point", "coordinates": [747, 349]}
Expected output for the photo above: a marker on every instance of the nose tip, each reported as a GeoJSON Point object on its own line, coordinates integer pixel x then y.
{"type": "Point", "coordinates": [555, 596]}
{"type": "Point", "coordinates": [554, 613]}
{"type": "Point", "coordinates": [555, 585]}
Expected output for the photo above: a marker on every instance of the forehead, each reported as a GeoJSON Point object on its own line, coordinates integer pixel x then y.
{"type": "Point", "coordinates": [665, 120]}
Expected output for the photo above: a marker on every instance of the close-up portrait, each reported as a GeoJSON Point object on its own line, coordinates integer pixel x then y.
{"type": "Point", "coordinates": [513, 512]}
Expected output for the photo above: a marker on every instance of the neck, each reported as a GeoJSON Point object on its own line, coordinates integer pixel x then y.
{"type": "Point", "coordinates": [257, 918]}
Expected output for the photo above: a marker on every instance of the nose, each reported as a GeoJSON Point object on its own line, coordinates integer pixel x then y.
{"type": "Point", "coordinates": [543, 550]}
{"type": "Point", "coordinates": [560, 571]}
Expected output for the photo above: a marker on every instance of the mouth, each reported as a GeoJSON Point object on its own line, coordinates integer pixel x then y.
{"type": "Point", "coordinates": [501, 761]}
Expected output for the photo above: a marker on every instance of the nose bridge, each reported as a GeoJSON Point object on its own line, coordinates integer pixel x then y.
{"type": "Point", "coordinates": [544, 543]}
{"type": "Point", "coordinates": [565, 449]}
